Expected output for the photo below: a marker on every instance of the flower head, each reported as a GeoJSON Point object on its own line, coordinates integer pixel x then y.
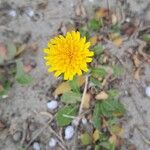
{"type": "Point", "coordinates": [68, 55]}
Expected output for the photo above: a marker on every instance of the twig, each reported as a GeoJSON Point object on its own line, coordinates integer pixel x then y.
{"type": "Point", "coordinates": [38, 133]}
{"type": "Point", "coordinates": [60, 140]}
{"type": "Point", "coordinates": [145, 139]}
{"type": "Point", "coordinates": [83, 96]}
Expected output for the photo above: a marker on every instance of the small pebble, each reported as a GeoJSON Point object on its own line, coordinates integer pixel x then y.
{"type": "Point", "coordinates": [52, 105]}
{"type": "Point", "coordinates": [84, 121]}
{"type": "Point", "coordinates": [128, 19]}
{"type": "Point", "coordinates": [69, 132]}
{"type": "Point", "coordinates": [52, 142]}
{"type": "Point", "coordinates": [36, 146]}
{"type": "Point", "coordinates": [91, 1]}
{"type": "Point", "coordinates": [12, 13]}
{"type": "Point", "coordinates": [17, 136]}
{"type": "Point", "coordinates": [147, 91]}
{"type": "Point", "coordinates": [30, 12]}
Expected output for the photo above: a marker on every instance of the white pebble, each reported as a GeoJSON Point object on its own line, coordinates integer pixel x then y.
{"type": "Point", "coordinates": [128, 19]}
{"type": "Point", "coordinates": [52, 142]}
{"type": "Point", "coordinates": [12, 13]}
{"type": "Point", "coordinates": [84, 121]}
{"type": "Point", "coordinates": [91, 1]}
{"type": "Point", "coordinates": [30, 12]}
{"type": "Point", "coordinates": [69, 132]}
{"type": "Point", "coordinates": [36, 146]}
{"type": "Point", "coordinates": [52, 105]}
{"type": "Point", "coordinates": [147, 91]}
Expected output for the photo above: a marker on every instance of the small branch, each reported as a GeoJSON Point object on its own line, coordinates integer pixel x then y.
{"type": "Point", "coordinates": [83, 96]}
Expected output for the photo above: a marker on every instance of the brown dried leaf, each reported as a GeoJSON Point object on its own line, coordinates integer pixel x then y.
{"type": "Point", "coordinates": [118, 41]}
{"type": "Point", "coordinates": [101, 12]}
{"type": "Point", "coordinates": [3, 51]}
{"type": "Point", "coordinates": [114, 19]}
{"type": "Point", "coordinates": [101, 96]}
{"type": "Point", "coordinates": [86, 101]}
{"type": "Point", "coordinates": [113, 139]}
{"type": "Point", "coordinates": [65, 86]}
{"type": "Point", "coordinates": [2, 125]}
{"type": "Point", "coordinates": [93, 40]}
{"type": "Point", "coordinates": [80, 11]}
{"type": "Point", "coordinates": [62, 88]}
{"type": "Point", "coordinates": [136, 60]}
{"type": "Point", "coordinates": [27, 68]}
{"type": "Point", "coordinates": [136, 74]}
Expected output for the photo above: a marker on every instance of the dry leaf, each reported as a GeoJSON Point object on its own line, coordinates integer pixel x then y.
{"type": "Point", "coordinates": [118, 41]}
{"type": "Point", "coordinates": [1, 88]}
{"type": "Point", "coordinates": [113, 139]}
{"type": "Point", "coordinates": [70, 27]}
{"type": "Point", "coordinates": [96, 136]}
{"type": "Point", "coordinates": [27, 68]}
{"type": "Point", "coordinates": [65, 86]}
{"type": "Point", "coordinates": [2, 125]}
{"type": "Point", "coordinates": [114, 19]}
{"type": "Point", "coordinates": [101, 12]}
{"type": "Point", "coordinates": [80, 11]}
{"type": "Point", "coordinates": [93, 40]}
{"type": "Point", "coordinates": [86, 101]}
{"type": "Point", "coordinates": [21, 49]}
{"type": "Point", "coordinates": [101, 96]}
{"type": "Point", "coordinates": [62, 88]}
{"type": "Point", "coordinates": [136, 60]}
{"type": "Point", "coordinates": [136, 74]}
{"type": "Point", "coordinates": [80, 80]}
{"type": "Point", "coordinates": [3, 51]}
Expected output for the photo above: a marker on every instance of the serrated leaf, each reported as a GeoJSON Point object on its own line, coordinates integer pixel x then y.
{"type": "Point", "coordinates": [117, 70]}
{"type": "Point", "coordinates": [86, 139]}
{"type": "Point", "coordinates": [98, 49]}
{"type": "Point", "coordinates": [11, 50]}
{"type": "Point", "coordinates": [98, 72]}
{"type": "Point", "coordinates": [112, 93]}
{"type": "Point", "coordinates": [146, 37]}
{"type": "Point", "coordinates": [96, 116]}
{"type": "Point", "coordinates": [71, 97]}
{"type": "Point", "coordinates": [84, 32]}
{"type": "Point", "coordinates": [95, 81]}
{"type": "Point", "coordinates": [74, 85]}
{"type": "Point", "coordinates": [21, 77]}
{"type": "Point", "coordinates": [94, 24]}
{"type": "Point", "coordinates": [61, 119]}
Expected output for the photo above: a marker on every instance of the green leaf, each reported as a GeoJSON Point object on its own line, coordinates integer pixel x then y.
{"type": "Point", "coordinates": [109, 107]}
{"type": "Point", "coordinates": [94, 25]}
{"type": "Point", "coordinates": [118, 70]}
{"type": "Point", "coordinates": [6, 87]}
{"type": "Point", "coordinates": [86, 139]}
{"type": "Point", "coordinates": [95, 81]}
{"type": "Point", "coordinates": [112, 93]}
{"type": "Point", "coordinates": [84, 32]}
{"type": "Point", "coordinates": [96, 116]}
{"type": "Point", "coordinates": [63, 120]}
{"type": "Point", "coordinates": [11, 48]}
{"type": "Point", "coordinates": [74, 85]}
{"type": "Point", "coordinates": [98, 72]}
{"type": "Point", "coordinates": [98, 49]}
{"type": "Point", "coordinates": [146, 37]}
{"type": "Point", "coordinates": [107, 145]}
{"type": "Point", "coordinates": [71, 97]}
{"type": "Point", "coordinates": [21, 77]}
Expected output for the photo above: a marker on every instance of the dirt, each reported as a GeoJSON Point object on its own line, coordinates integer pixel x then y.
{"type": "Point", "coordinates": [26, 103]}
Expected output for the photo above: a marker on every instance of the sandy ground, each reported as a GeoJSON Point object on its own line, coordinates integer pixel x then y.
{"type": "Point", "coordinates": [29, 101]}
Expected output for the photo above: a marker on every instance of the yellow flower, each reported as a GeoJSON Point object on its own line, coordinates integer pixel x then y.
{"type": "Point", "coordinates": [68, 55]}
